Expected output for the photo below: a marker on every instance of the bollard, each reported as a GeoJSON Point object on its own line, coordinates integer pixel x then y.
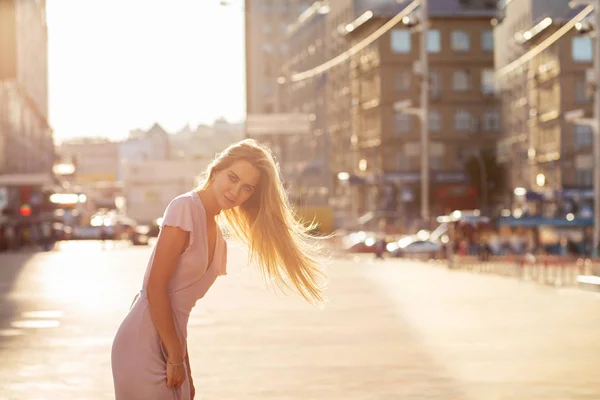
{"type": "Point", "coordinates": [558, 278]}
{"type": "Point", "coordinates": [587, 267]}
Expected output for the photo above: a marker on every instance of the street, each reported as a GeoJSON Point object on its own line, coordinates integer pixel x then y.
{"type": "Point", "coordinates": [392, 330]}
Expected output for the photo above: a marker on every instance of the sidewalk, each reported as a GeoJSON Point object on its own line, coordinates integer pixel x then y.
{"type": "Point", "coordinates": [398, 330]}
{"type": "Point", "coordinates": [501, 338]}
{"type": "Point", "coordinates": [392, 330]}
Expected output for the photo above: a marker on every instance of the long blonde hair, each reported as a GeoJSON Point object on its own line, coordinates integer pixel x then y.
{"type": "Point", "coordinates": [280, 244]}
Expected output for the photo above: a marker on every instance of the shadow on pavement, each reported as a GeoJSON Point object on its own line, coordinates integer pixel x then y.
{"type": "Point", "coordinates": [12, 264]}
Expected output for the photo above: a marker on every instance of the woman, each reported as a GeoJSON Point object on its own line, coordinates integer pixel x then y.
{"type": "Point", "coordinates": [149, 353]}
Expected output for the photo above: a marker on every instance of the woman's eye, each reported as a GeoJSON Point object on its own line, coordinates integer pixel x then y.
{"type": "Point", "coordinates": [248, 188]}
{"type": "Point", "coordinates": [232, 178]}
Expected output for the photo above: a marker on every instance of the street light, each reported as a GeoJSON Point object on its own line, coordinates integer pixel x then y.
{"type": "Point", "coordinates": [423, 110]}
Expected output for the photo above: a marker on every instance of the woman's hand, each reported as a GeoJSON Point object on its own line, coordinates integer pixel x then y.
{"type": "Point", "coordinates": [175, 374]}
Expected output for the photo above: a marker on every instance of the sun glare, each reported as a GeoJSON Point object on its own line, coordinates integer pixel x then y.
{"type": "Point", "coordinates": [115, 66]}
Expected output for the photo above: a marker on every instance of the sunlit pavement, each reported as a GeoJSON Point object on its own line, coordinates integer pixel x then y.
{"type": "Point", "coordinates": [392, 330]}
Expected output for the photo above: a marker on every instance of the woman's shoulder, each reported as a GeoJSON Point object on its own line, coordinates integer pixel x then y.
{"type": "Point", "coordinates": [184, 197]}
{"type": "Point", "coordinates": [181, 212]}
{"type": "Point", "coordinates": [183, 201]}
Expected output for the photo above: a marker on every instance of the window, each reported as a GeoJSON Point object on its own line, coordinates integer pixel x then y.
{"type": "Point", "coordinates": [434, 83]}
{"type": "Point", "coordinates": [461, 41]}
{"type": "Point", "coordinates": [402, 123]}
{"type": "Point", "coordinates": [267, 47]}
{"type": "Point", "coordinates": [582, 49]}
{"type": "Point", "coordinates": [403, 162]}
{"type": "Point", "coordinates": [435, 121]}
{"type": "Point", "coordinates": [463, 121]}
{"type": "Point", "coordinates": [487, 81]}
{"type": "Point", "coordinates": [434, 44]}
{"type": "Point", "coordinates": [584, 177]}
{"type": "Point", "coordinates": [491, 120]}
{"type": "Point", "coordinates": [402, 81]}
{"type": "Point", "coordinates": [401, 42]}
{"type": "Point", "coordinates": [582, 96]}
{"type": "Point", "coordinates": [460, 81]}
{"type": "Point", "coordinates": [583, 136]}
{"type": "Point", "coordinates": [436, 163]}
{"type": "Point", "coordinates": [487, 41]}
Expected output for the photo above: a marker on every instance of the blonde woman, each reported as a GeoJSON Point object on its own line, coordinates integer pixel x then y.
{"type": "Point", "coordinates": [149, 353]}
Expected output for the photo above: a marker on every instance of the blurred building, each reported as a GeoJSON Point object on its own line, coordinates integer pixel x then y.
{"type": "Point", "coordinates": [266, 26]}
{"type": "Point", "coordinates": [547, 156]}
{"type": "Point", "coordinates": [151, 184]}
{"type": "Point", "coordinates": [306, 163]}
{"type": "Point", "coordinates": [96, 162]}
{"type": "Point", "coordinates": [464, 114]}
{"type": "Point", "coordinates": [376, 149]}
{"type": "Point", "coordinates": [206, 140]}
{"type": "Point", "coordinates": [26, 144]}
{"type": "Point", "coordinates": [143, 145]}
{"type": "Point", "coordinates": [342, 158]}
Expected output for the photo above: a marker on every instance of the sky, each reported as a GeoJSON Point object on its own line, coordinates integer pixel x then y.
{"type": "Point", "coordinates": [119, 65]}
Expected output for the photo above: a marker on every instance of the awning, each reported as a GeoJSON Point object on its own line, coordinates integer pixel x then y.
{"type": "Point", "coordinates": [531, 222]}
{"type": "Point", "coordinates": [38, 179]}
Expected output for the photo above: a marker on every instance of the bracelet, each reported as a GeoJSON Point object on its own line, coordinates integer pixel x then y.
{"type": "Point", "coordinates": [174, 364]}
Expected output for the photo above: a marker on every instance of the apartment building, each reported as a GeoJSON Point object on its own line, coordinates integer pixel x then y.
{"type": "Point", "coordinates": [306, 164]}
{"type": "Point", "coordinates": [26, 144]}
{"type": "Point", "coordinates": [546, 156]}
{"type": "Point", "coordinates": [464, 115]}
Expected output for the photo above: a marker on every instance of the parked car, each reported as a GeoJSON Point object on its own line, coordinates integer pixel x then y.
{"type": "Point", "coordinates": [415, 246]}
{"type": "Point", "coordinates": [359, 242]}
{"type": "Point", "coordinates": [139, 235]}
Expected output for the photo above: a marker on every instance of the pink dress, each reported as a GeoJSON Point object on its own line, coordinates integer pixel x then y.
{"type": "Point", "coordinates": [138, 361]}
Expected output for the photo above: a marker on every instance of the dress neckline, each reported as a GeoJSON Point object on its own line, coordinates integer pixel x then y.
{"type": "Point", "coordinates": [210, 261]}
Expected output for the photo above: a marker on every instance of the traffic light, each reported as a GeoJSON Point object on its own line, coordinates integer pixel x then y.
{"type": "Point", "coordinates": [25, 210]}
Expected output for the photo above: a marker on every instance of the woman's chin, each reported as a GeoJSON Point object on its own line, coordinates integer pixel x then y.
{"type": "Point", "coordinates": [226, 205]}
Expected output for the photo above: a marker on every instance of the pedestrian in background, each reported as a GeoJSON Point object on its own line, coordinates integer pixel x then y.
{"type": "Point", "coordinates": [243, 186]}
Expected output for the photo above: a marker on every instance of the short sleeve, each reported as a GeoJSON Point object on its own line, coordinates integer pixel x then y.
{"type": "Point", "coordinates": [179, 214]}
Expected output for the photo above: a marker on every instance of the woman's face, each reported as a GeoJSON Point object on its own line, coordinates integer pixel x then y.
{"type": "Point", "coordinates": [235, 184]}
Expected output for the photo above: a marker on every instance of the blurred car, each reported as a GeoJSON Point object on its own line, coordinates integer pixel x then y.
{"type": "Point", "coordinates": [359, 242]}
{"type": "Point", "coordinates": [61, 231]}
{"type": "Point", "coordinates": [155, 227]}
{"type": "Point", "coordinates": [415, 246]}
{"type": "Point", "coordinates": [139, 235]}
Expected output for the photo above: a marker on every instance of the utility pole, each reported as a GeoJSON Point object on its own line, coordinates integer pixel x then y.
{"type": "Point", "coordinates": [425, 214]}
{"type": "Point", "coordinates": [596, 131]}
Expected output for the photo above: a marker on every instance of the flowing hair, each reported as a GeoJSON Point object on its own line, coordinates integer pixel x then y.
{"type": "Point", "coordinates": [279, 243]}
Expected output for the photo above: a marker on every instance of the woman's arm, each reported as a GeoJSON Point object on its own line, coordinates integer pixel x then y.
{"type": "Point", "coordinates": [172, 241]}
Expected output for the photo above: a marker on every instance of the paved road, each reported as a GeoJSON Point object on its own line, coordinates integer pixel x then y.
{"type": "Point", "coordinates": [392, 330]}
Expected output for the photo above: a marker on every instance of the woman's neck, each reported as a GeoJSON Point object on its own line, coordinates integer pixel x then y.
{"type": "Point", "coordinates": [209, 201]}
